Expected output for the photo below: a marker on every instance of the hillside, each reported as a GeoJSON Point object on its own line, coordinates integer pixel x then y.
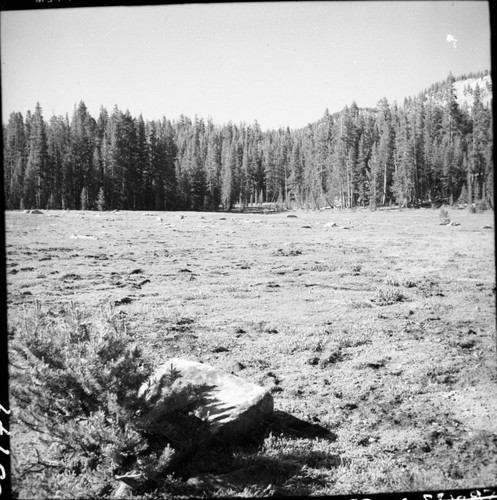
{"type": "Point", "coordinates": [464, 87]}
{"type": "Point", "coordinates": [465, 90]}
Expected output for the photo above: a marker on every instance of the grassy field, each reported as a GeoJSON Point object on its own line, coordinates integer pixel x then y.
{"type": "Point", "coordinates": [379, 326]}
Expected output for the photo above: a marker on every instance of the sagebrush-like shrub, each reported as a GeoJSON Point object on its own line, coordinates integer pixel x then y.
{"type": "Point", "coordinates": [74, 381]}
{"type": "Point", "coordinates": [389, 296]}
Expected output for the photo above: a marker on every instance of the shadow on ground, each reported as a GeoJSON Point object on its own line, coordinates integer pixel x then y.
{"type": "Point", "coordinates": [237, 467]}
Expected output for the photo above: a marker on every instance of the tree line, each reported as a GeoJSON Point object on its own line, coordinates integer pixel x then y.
{"type": "Point", "coordinates": [430, 149]}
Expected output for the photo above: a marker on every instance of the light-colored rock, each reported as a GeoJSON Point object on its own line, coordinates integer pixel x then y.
{"type": "Point", "coordinates": [330, 224]}
{"type": "Point", "coordinates": [82, 237]}
{"type": "Point", "coordinates": [127, 483]}
{"type": "Point", "coordinates": [34, 212]}
{"type": "Point", "coordinates": [233, 406]}
{"type": "Point", "coordinates": [123, 491]}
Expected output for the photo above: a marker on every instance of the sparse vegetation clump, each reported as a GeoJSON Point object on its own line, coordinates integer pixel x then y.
{"type": "Point", "coordinates": [388, 296]}
{"type": "Point", "coordinates": [75, 379]}
{"type": "Point", "coordinates": [405, 282]}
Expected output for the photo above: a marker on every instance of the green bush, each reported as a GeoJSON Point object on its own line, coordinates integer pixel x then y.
{"type": "Point", "coordinates": [74, 383]}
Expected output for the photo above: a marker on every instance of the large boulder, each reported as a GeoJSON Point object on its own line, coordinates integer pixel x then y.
{"type": "Point", "coordinates": [233, 407]}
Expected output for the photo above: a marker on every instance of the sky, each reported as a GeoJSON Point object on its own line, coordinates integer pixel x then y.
{"type": "Point", "coordinates": [280, 64]}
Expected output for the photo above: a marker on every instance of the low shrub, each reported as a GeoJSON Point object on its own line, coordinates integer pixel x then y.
{"type": "Point", "coordinates": [389, 296]}
{"type": "Point", "coordinates": [394, 282]}
{"type": "Point", "coordinates": [74, 383]}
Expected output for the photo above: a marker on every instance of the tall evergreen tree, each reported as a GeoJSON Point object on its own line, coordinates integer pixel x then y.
{"type": "Point", "coordinates": [385, 147]}
{"type": "Point", "coordinates": [83, 128]}
{"type": "Point", "coordinates": [35, 192]}
{"type": "Point", "coordinates": [15, 159]}
{"type": "Point", "coordinates": [59, 154]}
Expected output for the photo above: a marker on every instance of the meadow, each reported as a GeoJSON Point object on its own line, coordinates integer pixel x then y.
{"type": "Point", "coordinates": [379, 326]}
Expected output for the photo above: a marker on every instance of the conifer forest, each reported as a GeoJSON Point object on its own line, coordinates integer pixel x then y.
{"type": "Point", "coordinates": [429, 150]}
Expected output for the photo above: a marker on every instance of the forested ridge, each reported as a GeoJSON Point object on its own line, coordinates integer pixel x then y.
{"type": "Point", "coordinates": [429, 149]}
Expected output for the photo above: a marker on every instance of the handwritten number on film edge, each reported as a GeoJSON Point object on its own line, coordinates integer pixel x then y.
{"type": "Point", "coordinates": [3, 430]}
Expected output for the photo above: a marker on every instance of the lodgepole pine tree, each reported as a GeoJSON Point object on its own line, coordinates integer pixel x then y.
{"type": "Point", "coordinates": [34, 185]}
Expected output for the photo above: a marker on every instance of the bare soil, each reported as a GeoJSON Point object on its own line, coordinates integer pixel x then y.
{"type": "Point", "coordinates": [379, 327]}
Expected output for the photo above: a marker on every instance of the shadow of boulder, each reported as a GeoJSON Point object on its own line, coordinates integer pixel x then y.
{"type": "Point", "coordinates": [233, 467]}
{"type": "Point", "coordinates": [289, 425]}
{"type": "Point", "coordinates": [261, 476]}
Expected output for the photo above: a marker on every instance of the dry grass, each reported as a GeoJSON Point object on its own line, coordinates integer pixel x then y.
{"type": "Point", "coordinates": [383, 333]}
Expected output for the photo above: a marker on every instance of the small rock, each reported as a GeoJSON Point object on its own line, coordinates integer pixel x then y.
{"type": "Point", "coordinates": [237, 366]}
{"type": "Point", "coordinates": [82, 237]}
{"type": "Point", "coordinates": [330, 224]}
{"type": "Point", "coordinates": [123, 491]}
{"type": "Point", "coordinates": [487, 227]}
{"type": "Point", "coordinates": [292, 216]}
{"type": "Point", "coordinates": [306, 227]}
{"type": "Point", "coordinates": [313, 361]}
{"type": "Point", "coordinates": [128, 483]}
{"type": "Point", "coordinates": [466, 344]}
